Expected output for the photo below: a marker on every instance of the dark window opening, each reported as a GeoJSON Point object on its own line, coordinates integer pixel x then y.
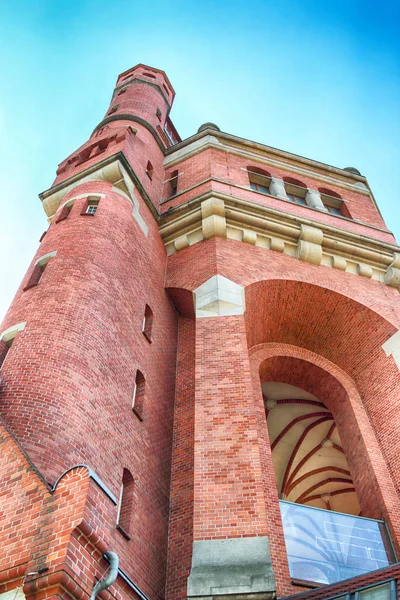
{"type": "Point", "coordinates": [158, 114]}
{"type": "Point", "coordinates": [64, 213]}
{"type": "Point", "coordinates": [139, 395]}
{"type": "Point", "coordinates": [149, 170]}
{"type": "Point", "coordinates": [174, 183]}
{"type": "Point", "coordinates": [149, 75]}
{"type": "Point", "coordinates": [4, 349]}
{"type": "Point", "coordinates": [126, 504]}
{"type": "Point", "coordinates": [147, 323]}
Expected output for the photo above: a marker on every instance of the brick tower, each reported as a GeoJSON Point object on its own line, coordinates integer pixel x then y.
{"type": "Point", "coordinates": [200, 374]}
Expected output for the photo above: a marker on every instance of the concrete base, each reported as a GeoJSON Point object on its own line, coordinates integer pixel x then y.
{"type": "Point", "coordinates": [237, 567]}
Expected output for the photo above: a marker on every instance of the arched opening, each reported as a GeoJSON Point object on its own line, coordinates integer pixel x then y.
{"type": "Point", "coordinates": [126, 502]}
{"type": "Point", "coordinates": [309, 461]}
{"type": "Point", "coordinates": [322, 480]}
{"type": "Point", "coordinates": [318, 357]}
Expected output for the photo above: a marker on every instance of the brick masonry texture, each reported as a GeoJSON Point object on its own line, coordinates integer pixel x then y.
{"type": "Point", "coordinates": [199, 454]}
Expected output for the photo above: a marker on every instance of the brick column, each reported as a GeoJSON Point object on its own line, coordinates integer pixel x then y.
{"type": "Point", "coordinates": [230, 549]}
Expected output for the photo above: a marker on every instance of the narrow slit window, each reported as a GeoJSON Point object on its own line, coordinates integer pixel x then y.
{"type": "Point", "coordinates": [4, 350]}
{"type": "Point", "coordinates": [126, 503]}
{"type": "Point", "coordinates": [138, 395]}
{"type": "Point", "coordinates": [149, 170]}
{"type": "Point", "coordinates": [174, 183]}
{"type": "Point", "coordinates": [38, 270]}
{"type": "Point", "coordinates": [147, 323]}
{"type": "Point", "coordinates": [64, 213]}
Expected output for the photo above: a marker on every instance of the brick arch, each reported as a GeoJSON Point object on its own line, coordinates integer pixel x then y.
{"type": "Point", "coordinates": [335, 388]}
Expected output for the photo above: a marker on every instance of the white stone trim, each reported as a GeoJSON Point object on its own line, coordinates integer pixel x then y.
{"type": "Point", "coordinates": [219, 297]}
{"type": "Point", "coordinates": [10, 333]}
{"type": "Point", "coordinates": [392, 347]}
{"type": "Point", "coordinates": [43, 260]}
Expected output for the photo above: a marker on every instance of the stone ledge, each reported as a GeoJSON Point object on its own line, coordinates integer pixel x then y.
{"type": "Point", "coordinates": [236, 567]}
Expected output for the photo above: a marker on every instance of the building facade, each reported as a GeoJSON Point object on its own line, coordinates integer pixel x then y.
{"type": "Point", "coordinates": [200, 373]}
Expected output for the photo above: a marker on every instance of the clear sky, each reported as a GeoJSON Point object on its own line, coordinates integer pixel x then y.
{"type": "Point", "coordinates": [319, 78]}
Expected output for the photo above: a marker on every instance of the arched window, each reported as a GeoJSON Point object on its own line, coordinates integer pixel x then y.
{"type": "Point", "coordinates": [259, 179]}
{"type": "Point", "coordinates": [126, 504]}
{"type": "Point", "coordinates": [296, 190]}
{"type": "Point", "coordinates": [38, 270]}
{"type": "Point", "coordinates": [147, 323]}
{"type": "Point", "coordinates": [7, 339]}
{"type": "Point", "coordinates": [333, 202]}
{"type": "Point", "coordinates": [139, 395]}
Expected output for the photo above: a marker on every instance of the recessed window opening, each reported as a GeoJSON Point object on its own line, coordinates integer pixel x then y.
{"type": "Point", "coordinates": [113, 109]}
{"type": "Point", "coordinates": [64, 212]}
{"type": "Point", "coordinates": [4, 350]}
{"type": "Point", "coordinates": [149, 75]}
{"type": "Point", "coordinates": [138, 395]}
{"type": "Point", "coordinates": [90, 206]}
{"type": "Point", "coordinates": [38, 270]}
{"type": "Point", "coordinates": [121, 91]}
{"type": "Point", "coordinates": [296, 194]}
{"type": "Point", "coordinates": [147, 323]}
{"type": "Point", "coordinates": [126, 504]}
{"type": "Point", "coordinates": [149, 170]}
{"type": "Point", "coordinates": [158, 114]}
{"type": "Point", "coordinates": [333, 202]}
{"type": "Point", "coordinates": [165, 88]}
{"type": "Point", "coordinates": [173, 182]}
{"type": "Point", "coordinates": [259, 179]}
{"type": "Point", "coordinates": [7, 339]}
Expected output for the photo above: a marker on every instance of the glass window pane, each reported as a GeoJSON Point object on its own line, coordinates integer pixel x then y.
{"type": "Point", "coordinates": [379, 592]}
{"type": "Point", "coordinates": [325, 547]}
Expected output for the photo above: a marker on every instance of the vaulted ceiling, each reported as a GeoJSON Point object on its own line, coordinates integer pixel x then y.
{"type": "Point", "coordinates": [310, 466]}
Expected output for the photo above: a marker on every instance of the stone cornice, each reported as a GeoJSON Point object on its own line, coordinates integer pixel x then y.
{"type": "Point", "coordinates": [215, 214]}
{"type": "Point", "coordinates": [103, 170]}
{"type": "Point", "coordinates": [266, 155]}
{"type": "Point", "coordinates": [263, 148]}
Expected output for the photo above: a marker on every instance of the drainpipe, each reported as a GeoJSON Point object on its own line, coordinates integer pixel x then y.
{"type": "Point", "coordinates": [103, 584]}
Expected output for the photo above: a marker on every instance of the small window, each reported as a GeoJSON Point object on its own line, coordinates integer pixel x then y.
{"type": "Point", "coordinates": [149, 75]}
{"type": "Point", "coordinates": [7, 339]}
{"type": "Point", "coordinates": [149, 170]}
{"type": "Point", "coordinates": [4, 349]}
{"type": "Point", "coordinates": [147, 323]}
{"type": "Point", "coordinates": [126, 504]}
{"type": "Point", "coordinates": [334, 210]}
{"type": "Point", "coordinates": [296, 190]}
{"type": "Point", "coordinates": [173, 182]}
{"type": "Point", "coordinates": [138, 395]}
{"type": "Point", "coordinates": [386, 591]}
{"type": "Point", "coordinates": [38, 271]}
{"type": "Point", "coordinates": [158, 114]}
{"type": "Point", "coordinates": [259, 179]}
{"type": "Point", "coordinates": [297, 199]}
{"type": "Point", "coordinates": [90, 206]}
{"type": "Point", "coordinates": [64, 213]}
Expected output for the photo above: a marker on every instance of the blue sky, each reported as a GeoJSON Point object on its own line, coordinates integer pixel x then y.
{"type": "Point", "coordinates": [316, 78]}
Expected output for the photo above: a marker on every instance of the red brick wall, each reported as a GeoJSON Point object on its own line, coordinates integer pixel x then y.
{"type": "Point", "coordinates": [180, 537]}
{"type": "Point", "coordinates": [68, 380]}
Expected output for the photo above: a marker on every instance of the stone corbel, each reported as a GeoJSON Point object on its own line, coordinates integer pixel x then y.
{"type": "Point", "coordinates": [213, 218]}
{"type": "Point", "coordinates": [277, 188]}
{"type": "Point", "coordinates": [313, 199]}
{"type": "Point", "coordinates": [392, 275]}
{"type": "Point", "coordinates": [364, 270]}
{"type": "Point", "coordinates": [309, 248]}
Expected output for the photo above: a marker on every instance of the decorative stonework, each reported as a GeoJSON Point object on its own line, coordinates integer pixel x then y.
{"type": "Point", "coordinates": [392, 347]}
{"type": "Point", "coordinates": [234, 567]}
{"type": "Point", "coordinates": [219, 297]}
{"type": "Point", "coordinates": [112, 171]}
{"type": "Point", "coordinates": [215, 214]}
{"type": "Point", "coordinates": [309, 247]}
